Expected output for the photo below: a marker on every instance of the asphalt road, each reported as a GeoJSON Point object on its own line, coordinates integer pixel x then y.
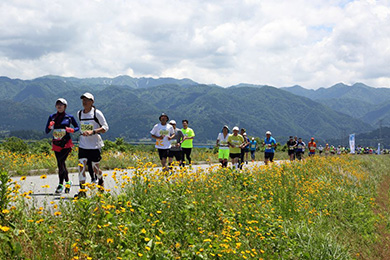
{"type": "Point", "coordinates": [42, 190]}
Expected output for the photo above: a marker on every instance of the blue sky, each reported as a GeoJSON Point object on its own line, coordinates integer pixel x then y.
{"type": "Point", "coordinates": [275, 42]}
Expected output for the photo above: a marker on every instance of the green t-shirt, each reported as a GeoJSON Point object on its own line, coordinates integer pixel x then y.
{"type": "Point", "coordinates": [236, 141]}
{"type": "Point", "coordinates": [189, 133]}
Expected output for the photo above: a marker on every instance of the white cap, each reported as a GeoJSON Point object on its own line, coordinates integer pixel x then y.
{"type": "Point", "coordinates": [236, 128]}
{"type": "Point", "coordinates": [244, 134]}
{"type": "Point", "coordinates": [63, 101]}
{"type": "Point", "coordinates": [268, 133]}
{"type": "Point", "coordinates": [87, 95]}
{"type": "Point", "coordinates": [253, 138]}
{"type": "Point", "coordinates": [172, 122]}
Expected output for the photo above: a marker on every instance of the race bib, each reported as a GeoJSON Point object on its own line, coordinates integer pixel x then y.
{"type": "Point", "coordinates": [291, 148]}
{"type": "Point", "coordinates": [253, 146]}
{"type": "Point", "coordinates": [85, 126]}
{"type": "Point", "coordinates": [164, 132]}
{"type": "Point", "coordinates": [59, 133]}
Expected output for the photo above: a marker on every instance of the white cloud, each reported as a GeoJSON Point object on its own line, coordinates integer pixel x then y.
{"type": "Point", "coordinates": [312, 43]}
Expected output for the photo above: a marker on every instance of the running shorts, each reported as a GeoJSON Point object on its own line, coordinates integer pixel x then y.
{"type": "Point", "coordinates": [93, 155]}
{"type": "Point", "coordinates": [235, 155]}
{"type": "Point", "coordinates": [269, 156]}
{"type": "Point", "coordinates": [163, 153]}
{"type": "Point", "coordinates": [223, 154]}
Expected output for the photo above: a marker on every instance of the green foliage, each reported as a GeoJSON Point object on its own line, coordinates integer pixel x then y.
{"type": "Point", "coordinates": [15, 144]}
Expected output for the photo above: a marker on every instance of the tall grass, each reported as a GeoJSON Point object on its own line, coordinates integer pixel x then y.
{"type": "Point", "coordinates": [321, 208]}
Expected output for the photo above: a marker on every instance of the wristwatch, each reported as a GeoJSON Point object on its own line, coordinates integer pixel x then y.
{"type": "Point", "coordinates": [93, 132]}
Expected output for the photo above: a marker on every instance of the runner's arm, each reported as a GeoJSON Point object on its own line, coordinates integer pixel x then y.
{"type": "Point", "coordinates": [47, 129]}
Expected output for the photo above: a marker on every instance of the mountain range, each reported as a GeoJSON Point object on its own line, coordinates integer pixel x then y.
{"type": "Point", "coordinates": [132, 106]}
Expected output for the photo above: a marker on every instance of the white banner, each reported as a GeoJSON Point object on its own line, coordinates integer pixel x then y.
{"type": "Point", "coordinates": [352, 143]}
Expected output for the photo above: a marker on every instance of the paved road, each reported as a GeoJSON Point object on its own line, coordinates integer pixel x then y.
{"type": "Point", "coordinates": [42, 190]}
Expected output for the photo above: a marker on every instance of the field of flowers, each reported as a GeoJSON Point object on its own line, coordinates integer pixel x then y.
{"type": "Point", "coordinates": [18, 164]}
{"type": "Point", "coordinates": [320, 208]}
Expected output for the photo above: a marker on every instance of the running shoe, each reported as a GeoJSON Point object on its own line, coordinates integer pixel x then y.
{"type": "Point", "coordinates": [67, 186]}
{"type": "Point", "coordinates": [60, 188]}
{"type": "Point", "coordinates": [94, 180]}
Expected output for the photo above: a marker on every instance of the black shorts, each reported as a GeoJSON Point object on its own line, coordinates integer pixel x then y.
{"type": "Point", "coordinates": [92, 155]}
{"type": "Point", "coordinates": [235, 155]}
{"type": "Point", "coordinates": [163, 153]}
{"type": "Point", "coordinates": [269, 156]}
{"type": "Point", "coordinates": [177, 154]}
{"type": "Point", "coordinates": [290, 152]}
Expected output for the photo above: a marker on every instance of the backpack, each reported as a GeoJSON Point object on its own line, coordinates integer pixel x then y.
{"type": "Point", "coordinates": [94, 117]}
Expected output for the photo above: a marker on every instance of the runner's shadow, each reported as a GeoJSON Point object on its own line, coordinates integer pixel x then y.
{"type": "Point", "coordinates": [43, 194]}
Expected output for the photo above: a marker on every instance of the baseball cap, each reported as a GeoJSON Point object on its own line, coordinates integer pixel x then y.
{"type": "Point", "coordinates": [253, 138]}
{"type": "Point", "coordinates": [236, 128]}
{"type": "Point", "coordinates": [172, 122]}
{"type": "Point", "coordinates": [88, 96]}
{"type": "Point", "coordinates": [63, 101]}
{"type": "Point", "coordinates": [268, 133]}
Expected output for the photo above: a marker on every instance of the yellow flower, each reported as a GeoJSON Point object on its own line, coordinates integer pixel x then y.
{"type": "Point", "coordinates": [147, 248]}
{"type": "Point", "coordinates": [143, 231]}
{"type": "Point", "coordinates": [140, 255]}
{"type": "Point", "coordinates": [110, 240]}
{"type": "Point", "coordinates": [57, 213]}
{"type": "Point", "coordinates": [43, 176]}
{"type": "Point", "coordinates": [4, 229]}
{"type": "Point", "coordinates": [5, 211]}
{"type": "Point", "coordinates": [22, 178]}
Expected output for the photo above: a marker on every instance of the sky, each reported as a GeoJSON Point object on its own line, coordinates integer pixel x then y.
{"type": "Point", "coordinates": [312, 43]}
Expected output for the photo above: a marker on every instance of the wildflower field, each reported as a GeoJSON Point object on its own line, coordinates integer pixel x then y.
{"type": "Point", "coordinates": [321, 208]}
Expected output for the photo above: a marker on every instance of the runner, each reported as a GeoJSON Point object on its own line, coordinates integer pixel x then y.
{"type": "Point", "coordinates": [327, 150]}
{"type": "Point", "coordinates": [222, 143]}
{"type": "Point", "coordinates": [312, 147]}
{"type": "Point", "coordinates": [291, 146]}
{"type": "Point", "coordinates": [93, 123]}
{"type": "Point", "coordinates": [253, 147]}
{"type": "Point", "coordinates": [175, 145]}
{"type": "Point", "coordinates": [235, 142]}
{"type": "Point", "coordinates": [320, 149]}
{"type": "Point", "coordinates": [300, 149]}
{"type": "Point", "coordinates": [296, 147]}
{"type": "Point", "coordinates": [244, 149]}
{"type": "Point", "coordinates": [332, 150]}
{"type": "Point", "coordinates": [270, 144]}
{"type": "Point", "coordinates": [163, 133]}
{"type": "Point", "coordinates": [62, 143]}
{"type": "Point", "coordinates": [187, 145]}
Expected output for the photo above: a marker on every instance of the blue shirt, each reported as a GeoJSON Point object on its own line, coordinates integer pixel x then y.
{"type": "Point", "coordinates": [66, 121]}
{"type": "Point", "coordinates": [270, 141]}
{"type": "Point", "coordinates": [253, 145]}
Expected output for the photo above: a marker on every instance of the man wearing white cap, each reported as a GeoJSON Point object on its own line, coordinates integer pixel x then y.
{"type": "Point", "coordinates": [175, 150]}
{"type": "Point", "coordinates": [270, 144]}
{"type": "Point", "coordinates": [235, 142]}
{"type": "Point", "coordinates": [93, 123]}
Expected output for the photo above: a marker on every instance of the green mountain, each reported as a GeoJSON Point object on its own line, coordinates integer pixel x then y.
{"type": "Point", "coordinates": [359, 100]}
{"type": "Point", "coordinates": [132, 110]}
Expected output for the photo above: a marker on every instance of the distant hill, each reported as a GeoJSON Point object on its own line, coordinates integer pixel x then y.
{"type": "Point", "coordinates": [359, 100]}
{"type": "Point", "coordinates": [132, 107]}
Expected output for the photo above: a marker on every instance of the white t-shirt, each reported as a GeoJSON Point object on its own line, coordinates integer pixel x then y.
{"type": "Point", "coordinates": [223, 141]}
{"type": "Point", "coordinates": [88, 123]}
{"type": "Point", "coordinates": [159, 130]}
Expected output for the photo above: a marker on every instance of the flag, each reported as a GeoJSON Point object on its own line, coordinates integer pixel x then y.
{"type": "Point", "coordinates": [352, 143]}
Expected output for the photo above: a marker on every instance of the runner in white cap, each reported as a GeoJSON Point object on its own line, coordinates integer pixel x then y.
{"type": "Point", "coordinates": [176, 141]}
{"type": "Point", "coordinates": [62, 143]}
{"type": "Point", "coordinates": [235, 141]}
{"type": "Point", "coordinates": [270, 144]}
{"type": "Point", "coordinates": [93, 123]}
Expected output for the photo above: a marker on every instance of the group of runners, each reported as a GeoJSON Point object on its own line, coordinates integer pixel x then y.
{"type": "Point", "coordinates": [92, 124]}
{"type": "Point", "coordinates": [171, 142]}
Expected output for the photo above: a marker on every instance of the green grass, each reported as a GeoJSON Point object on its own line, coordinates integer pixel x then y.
{"type": "Point", "coordinates": [320, 208]}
